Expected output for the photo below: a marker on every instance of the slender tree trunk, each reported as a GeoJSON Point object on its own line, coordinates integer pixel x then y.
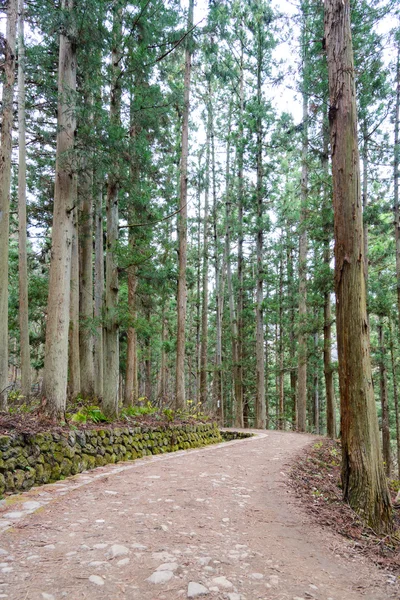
{"type": "Point", "coordinates": [204, 299]}
{"type": "Point", "coordinates": [74, 373]}
{"type": "Point", "coordinates": [57, 326]}
{"type": "Point", "coordinates": [387, 458]}
{"type": "Point", "coordinates": [86, 283]}
{"type": "Point", "coordinates": [5, 180]}
{"type": "Point", "coordinates": [365, 198]}
{"type": "Point", "coordinates": [98, 296]}
{"type": "Point", "coordinates": [292, 339]}
{"type": "Point", "coordinates": [363, 478]}
{"type": "Point", "coordinates": [180, 399]}
{"type": "Point", "coordinates": [22, 254]}
{"type": "Point", "coordinates": [239, 416]}
{"type": "Point", "coordinates": [316, 385]}
{"type": "Point", "coordinates": [328, 372]}
{"type": "Point", "coordinates": [219, 284]}
{"type": "Point", "coordinates": [260, 357]}
{"type": "Point", "coordinates": [198, 284]}
{"type": "Point", "coordinates": [396, 397]}
{"type": "Point", "coordinates": [131, 380]}
{"type": "Point", "coordinates": [111, 337]}
{"type": "Point", "coordinates": [396, 162]}
{"type": "Point", "coordinates": [302, 337]}
{"type": "Point", "coordinates": [281, 420]}
{"type": "Point", "coordinates": [237, 388]}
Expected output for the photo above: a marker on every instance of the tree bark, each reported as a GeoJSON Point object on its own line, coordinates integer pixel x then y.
{"type": "Point", "coordinates": [363, 478]}
{"type": "Point", "coordinates": [239, 417]}
{"type": "Point", "coordinates": [204, 297]}
{"type": "Point", "coordinates": [219, 284]}
{"type": "Point", "coordinates": [86, 340]}
{"type": "Point", "coordinates": [328, 372]}
{"type": "Point", "coordinates": [5, 180]}
{"type": "Point", "coordinates": [396, 397]}
{"type": "Point", "coordinates": [22, 254]}
{"type": "Point", "coordinates": [387, 458]}
{"type": "Point", "coordinates": [74, 371]}
{"type": "Point", "coordinates": [57, 326]}
{"type": "Point", "coordinates": [303, 243]}
{"type": "Point", "coordinates": [131, 380]}
{"type": "Point", "coordinates": [111, 329]}
{"type": "Point", "coordinates": [396, 162]}
{"type": "Point", "coordinates": [180, 399]}
{"type": "Point", "coordinates": [260, 356]}
{"type": "Point", "coordinates": [98, 295]}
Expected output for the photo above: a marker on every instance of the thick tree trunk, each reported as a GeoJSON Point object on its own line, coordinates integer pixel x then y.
{"type": "Point", "coordinates": [363, 478]}
{"type": "Point", "coordinates": [302, 337]}
{"type": "Point", "coordinates": [22, 254]}
{"type": "Point", "coordinates": [328, 372]}
{"type": "Point", "coordinates": [111, 333]}
{"type": "Point", "coordinates": [387, 458]}
{"type": "Point", "coordinates": [57, 326]}
{"type": "Point", "coordinates": [5, 180]}
{"type": "Point", "coordinates": [365, 199]}
{"type": "Point", "coordinates": [98, 295]}
{"type": "Point", "coordinates": [74, 371]}
{"type": "Point", "coordinates": [180, 399]}
{"type": "Point", "coordinates": [86, 283]}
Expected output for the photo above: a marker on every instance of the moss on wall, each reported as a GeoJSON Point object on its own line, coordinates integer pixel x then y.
{"type": "Point", "coordinates": [34, 459]}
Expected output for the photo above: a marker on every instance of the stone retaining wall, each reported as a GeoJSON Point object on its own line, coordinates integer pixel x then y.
{"type": "Point", "coordinates": [34, 459]}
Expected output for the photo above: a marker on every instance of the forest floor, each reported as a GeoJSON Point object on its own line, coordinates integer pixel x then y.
{"type": "Point", "coordinates": [220, 522]}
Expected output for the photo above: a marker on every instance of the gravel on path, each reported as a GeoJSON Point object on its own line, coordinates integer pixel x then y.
{"type": "Point", "coordinates": [218, 523]}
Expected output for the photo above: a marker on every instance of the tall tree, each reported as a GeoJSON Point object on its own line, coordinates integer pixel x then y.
{"type": "Point", "coordinates": [182, 223]}
{"type": "Point", "coordinates": [111, 335]}
{"type": "Point", "coordinates": [22, 256]}
{"type": "Point", "coordinates": [56, 349]}
{"type": "Point", "coordinates": [5, 180]}
{"type": "Point", "coordinates": [363, 477]}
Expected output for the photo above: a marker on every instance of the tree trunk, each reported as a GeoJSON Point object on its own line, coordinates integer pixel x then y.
{"type": "Point", "coordinates": [387, 458]}
{"type": "Point", "coordinates": [98, 296]}
{"type": "Point", "coordinates": [260, 356]}
{"type": "Point", "coordinates": [239, 416]}
{"type": "Point", "coordinates": [74, 373]}
{"type": "Point", "coordinates": [396, 398]}
{"type": "Point", "coordinates": [363, 478]}
{"type": "Point", "coordinates": [281, 412]}
{"type": "Point", "coordinates": [396, 162]}
{"type": "Point", "coordinates": [86, 283]}
{"type": "Point", "coordinates": [204, 299]}
{"type": "Point", "coordinates": [218, 382]}
{"type": "Point", "coordinates": [316, 385]}
{"type": "Point", "coordinates": [22, 254]}
{"type": "Point", "coordinates": [180, 399]}
{"type": "Point", "coordinates": [5, 180]}
{"type": "Point", "coordinates": [292, 338]}
{"type": "Point", "coordinates": [57, 325]}
{"type": "Point", "coordinates": [302, 337]}
{"type": "Point", "coordinates": [111, 336]}
{"type": "Point", "coordinates": [328, 372]}
{"type": "Point", "coordinates": [131, 380]}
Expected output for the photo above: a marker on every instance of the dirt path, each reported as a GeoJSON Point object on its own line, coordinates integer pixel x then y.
{"type": "Point", "coordinates": [218, 522]}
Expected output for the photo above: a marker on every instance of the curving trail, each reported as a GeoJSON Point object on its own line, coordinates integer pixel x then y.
{"type": "Point", "coordinates": [218, 523]}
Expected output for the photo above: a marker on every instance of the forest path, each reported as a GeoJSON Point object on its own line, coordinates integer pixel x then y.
{"type": "Point", "coordinates": [218, 522]}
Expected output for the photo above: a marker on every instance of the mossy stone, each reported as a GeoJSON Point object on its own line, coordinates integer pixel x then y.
{"type": "Point", "coordinates": [4, 442]}
{"type": "Point", "coordinates": [55, 472]}
{"type": "Point", "coordinates": [66, 466]}
{"type": "Point", "coordinates": [19, 478]}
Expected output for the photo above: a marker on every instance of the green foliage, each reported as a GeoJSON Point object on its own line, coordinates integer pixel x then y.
{"type": "Point", "coordinates": [92, 414]}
